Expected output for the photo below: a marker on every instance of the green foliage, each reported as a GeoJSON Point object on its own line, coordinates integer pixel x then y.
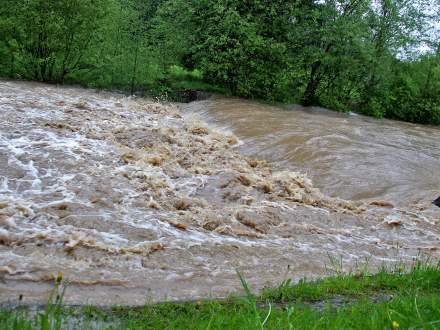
{"type": "Point", "coordinates": [235, 56]}
{"type": "Point", "coordinates": [420, 278]}
{"type": "Point", "coordinates": [48, 39]}
{"type": "Point", "coordinates": [414, 92]}
{"type": "Point", "coordinates": [347, 55]}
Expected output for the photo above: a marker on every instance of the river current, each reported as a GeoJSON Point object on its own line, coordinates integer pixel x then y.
{"type": "Point", "coordinates": [346, 155]}
{"type": "Point", "coordinates": [134, 201]}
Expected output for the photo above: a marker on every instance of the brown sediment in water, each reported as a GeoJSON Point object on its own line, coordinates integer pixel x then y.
{"type": "Point", "coordinates": [346, 155]}
{"type": "Point", "coordinates": [131, 201]}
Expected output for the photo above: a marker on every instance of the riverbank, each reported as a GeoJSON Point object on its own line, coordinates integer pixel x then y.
{"type": "Point", "coordinates": [390, 299]}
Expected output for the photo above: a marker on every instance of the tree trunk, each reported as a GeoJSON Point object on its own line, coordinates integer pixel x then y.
{"type": "Point", "coordinates": [309, 96]}
{"type": "Point", "coordinates": [133, 77]}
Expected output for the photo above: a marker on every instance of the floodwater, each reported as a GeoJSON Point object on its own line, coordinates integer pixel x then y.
{"type": "Point", "coordinates": [135, 201]}
{"type": "Point", "coordinates": [346, 155]}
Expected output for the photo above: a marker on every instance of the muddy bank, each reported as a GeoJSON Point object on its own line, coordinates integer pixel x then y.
{"type": "Point", "coordinates": [134, 203]}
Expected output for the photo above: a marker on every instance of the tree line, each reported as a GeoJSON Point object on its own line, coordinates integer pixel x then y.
{"type": "Point", "coordinates": [377, 57]}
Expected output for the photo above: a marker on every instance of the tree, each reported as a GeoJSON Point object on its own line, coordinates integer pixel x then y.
{"type": "Point", "coordinates": [396, 26]}
{"type": "Point", "coordinates": [232, 42]}
{"type": "Point", "coordinates": [52, 37]}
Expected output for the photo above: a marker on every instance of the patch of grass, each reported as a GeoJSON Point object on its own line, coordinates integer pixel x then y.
{"type": "Point", "coordinates": [415, 304]}
{"type": "Point", "coordinates": [421, 277]}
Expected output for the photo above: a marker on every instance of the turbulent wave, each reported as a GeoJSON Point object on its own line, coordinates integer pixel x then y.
{"type": "Point", "coordinates": [129, 198]}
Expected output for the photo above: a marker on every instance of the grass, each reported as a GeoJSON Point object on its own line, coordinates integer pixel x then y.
{"type": "Point", "coordinates": [402, 300]}
{"type": "Point", "coordinates": [421, 279]}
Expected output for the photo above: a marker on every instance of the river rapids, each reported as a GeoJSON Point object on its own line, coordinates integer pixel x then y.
{"type": "Point", "coordinates": [135, 201]}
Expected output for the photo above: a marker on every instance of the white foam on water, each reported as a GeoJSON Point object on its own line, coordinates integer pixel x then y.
{"type": "Point", "coordinates": [78, 184]}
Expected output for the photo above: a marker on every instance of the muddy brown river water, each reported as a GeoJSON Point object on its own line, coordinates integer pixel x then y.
{"type": "Point", "coordinates": [135, 201]}
{"type": "Point", "coordinates": [346, 155]}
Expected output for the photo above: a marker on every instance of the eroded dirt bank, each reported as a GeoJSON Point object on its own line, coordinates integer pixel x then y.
{"type": "Point", "coordinates": [133, 203]}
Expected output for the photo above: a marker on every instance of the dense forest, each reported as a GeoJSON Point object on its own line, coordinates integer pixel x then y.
{"type": "Point", "coordinates": [377, 57]}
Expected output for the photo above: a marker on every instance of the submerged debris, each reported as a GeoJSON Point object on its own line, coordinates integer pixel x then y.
{"type": "Point", "coordinates": [382, 204]}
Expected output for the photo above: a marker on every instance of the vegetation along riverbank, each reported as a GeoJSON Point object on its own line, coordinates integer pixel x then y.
{"type": "Point", "coordinates": [380, 58]}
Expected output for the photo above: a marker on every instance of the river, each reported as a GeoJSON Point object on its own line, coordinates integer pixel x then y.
{"type": "Point", "coordinates": [135, 201]}
{"type": "Point", "coordinates": [346, 155]}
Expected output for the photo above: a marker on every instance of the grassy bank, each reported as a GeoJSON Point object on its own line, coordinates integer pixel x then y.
{"type": "Point", "coordinates": [387, 300]}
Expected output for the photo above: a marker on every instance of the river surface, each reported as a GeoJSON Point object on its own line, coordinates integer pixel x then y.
{"type": "Point", "coordinates": [346, 155]}
{"type": "Point", "coordinates": [134, 201]}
